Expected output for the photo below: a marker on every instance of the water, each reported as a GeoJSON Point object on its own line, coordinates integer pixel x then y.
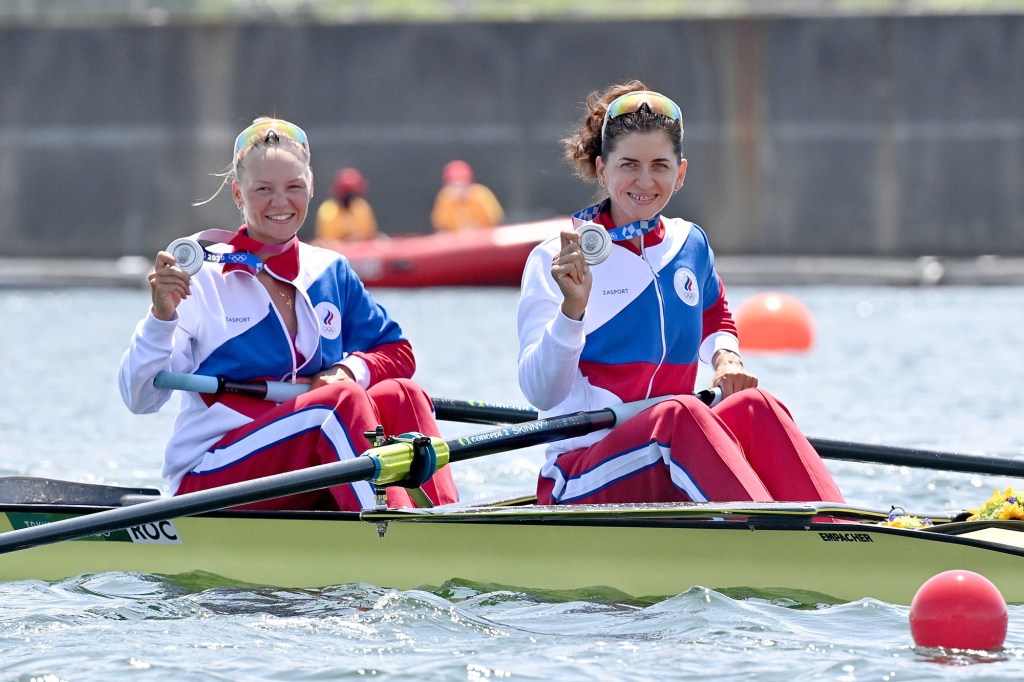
{"type": "Point", "coordinates": [936, 368]}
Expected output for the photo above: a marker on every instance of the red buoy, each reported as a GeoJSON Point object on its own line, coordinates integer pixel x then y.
{"type": "Point", "coordinates": [773, 321]}
{"type": "Point", "coordinates": [958, 610]}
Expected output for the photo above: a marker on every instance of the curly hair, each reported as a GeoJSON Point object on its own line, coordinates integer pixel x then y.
{"type": "Point", "coordinates": [585, 144]}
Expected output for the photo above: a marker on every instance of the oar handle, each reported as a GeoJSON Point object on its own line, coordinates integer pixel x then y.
{"type": "Point", "coordinates": [275, 391]}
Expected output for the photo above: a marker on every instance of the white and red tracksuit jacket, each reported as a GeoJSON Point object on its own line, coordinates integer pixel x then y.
{"type": "Point", "coordinates": [229, 327]}
{"type": "Point", "coordinates": [648, 322]}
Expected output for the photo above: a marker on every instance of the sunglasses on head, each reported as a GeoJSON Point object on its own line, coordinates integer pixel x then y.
{"type": "Point", "coordinates": [258, 131]}
{"type": "Point", "coordinates": [631, 102]}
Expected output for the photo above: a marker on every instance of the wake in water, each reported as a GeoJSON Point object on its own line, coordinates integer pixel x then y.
{"type": "Point", "coordinates": [115, 625]}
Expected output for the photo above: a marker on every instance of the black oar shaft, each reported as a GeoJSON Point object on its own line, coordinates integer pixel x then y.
{"type": "Point", "coordinates": [245, 492]}
{"type": "Point", "coordinates": [476, 412]}
{"type": "Point", "coordinates": [526, 434]}
{"type": "Point", "coordinates": [914, 457]}
{"type": "Point", "coordinates": [255, 389]}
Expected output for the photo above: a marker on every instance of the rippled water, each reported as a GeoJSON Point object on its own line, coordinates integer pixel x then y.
{"type": "Point", "coordinates": [920, 367]}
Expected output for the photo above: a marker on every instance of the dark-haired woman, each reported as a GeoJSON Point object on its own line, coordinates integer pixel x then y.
{"type": "Point", "coordinates": [636, 325]}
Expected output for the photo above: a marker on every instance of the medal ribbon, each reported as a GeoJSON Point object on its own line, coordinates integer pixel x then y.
{"type": "Point", "coordinates": [236, 257]}
{"type": "Point", "coordinates": [634, 229]}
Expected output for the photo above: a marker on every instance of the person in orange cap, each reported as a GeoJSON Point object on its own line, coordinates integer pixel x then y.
{"type": "Point", "coordinates": [347, 215]}
{"type": "Point", "coordinates": [462, 204]}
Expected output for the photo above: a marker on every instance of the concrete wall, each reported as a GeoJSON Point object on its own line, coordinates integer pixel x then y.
{"type": "Point", "coordinates": [877, 136]}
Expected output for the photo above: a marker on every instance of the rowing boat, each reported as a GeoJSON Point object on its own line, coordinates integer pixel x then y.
{"type": "Point", "coordinates": [816, 552]}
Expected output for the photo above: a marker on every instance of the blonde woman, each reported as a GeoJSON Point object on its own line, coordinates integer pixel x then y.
{"type": "Point", "coordinates": [277, 309]}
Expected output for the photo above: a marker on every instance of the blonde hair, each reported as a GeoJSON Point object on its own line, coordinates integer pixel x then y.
{"type": "Point", "coordinates": [271, 139]}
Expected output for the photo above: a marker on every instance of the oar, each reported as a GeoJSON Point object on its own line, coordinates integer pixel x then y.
{"type": "Point", "coordinates": [480, 412]}
{"type": "Point", "coordinates": [276, 391]}
{"type": "Point", "coordinates": [385, 465]}
{"type": "Point", "coordinates": [448, 409]}
{"type": "Point", "coordinates": [917, 457]}
{"type": "Point", "coordinates": [496, 413]}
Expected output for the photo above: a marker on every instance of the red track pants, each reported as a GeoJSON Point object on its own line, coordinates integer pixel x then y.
{"type": "Point", "coordinates": [747, 448]}
{"type": "Point", "coordinates": [324, 425]}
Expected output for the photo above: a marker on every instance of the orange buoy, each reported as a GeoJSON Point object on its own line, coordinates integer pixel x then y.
{"type": "Point", "coordinates": [774, 321]}
{"type": "Point", "coordinates": [958, 609]}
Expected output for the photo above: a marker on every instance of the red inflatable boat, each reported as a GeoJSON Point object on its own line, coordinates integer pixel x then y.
{"type": "Point", "coordinates": [492, 257]}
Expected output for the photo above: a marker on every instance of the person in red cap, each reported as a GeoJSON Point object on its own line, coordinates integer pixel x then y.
{"type": "Point", "coordinates": [462, 204]}
{"type": "Point", "coordinates": [346, 215]}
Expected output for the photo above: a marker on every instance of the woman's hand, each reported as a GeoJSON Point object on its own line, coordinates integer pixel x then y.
{"type": "Point", "coordinates": [730, 374]}
{"type": "Point", "coordinates": [572, 275]}
{"type": "Point", "coordinates": [169, 284]}
{"type": "Point", "coordinates": [332, 375]}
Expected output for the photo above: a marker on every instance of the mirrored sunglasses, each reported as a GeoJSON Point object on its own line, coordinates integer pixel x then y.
{"type": "Point", "coordinates": [257, 133]}
{"type": "Point", "coordinates": [631, 103]}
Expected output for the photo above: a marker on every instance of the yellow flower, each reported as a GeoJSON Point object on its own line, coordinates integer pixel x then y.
{"type": "Point", "coordinates": [1001, 506]}
{"type": "Point", "coordinates": [903, 520]}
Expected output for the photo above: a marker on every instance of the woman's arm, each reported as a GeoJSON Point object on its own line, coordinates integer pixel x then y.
{"type": "Point", "coordinates": [550, 343]}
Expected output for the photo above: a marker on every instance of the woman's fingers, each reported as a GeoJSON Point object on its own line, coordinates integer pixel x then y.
{"type": "Point", "coordinates": [570, 261]}
{"type": "Point", "coordinates": [734, 381]}
{"type": "Point", "coordinates": [169, 284]}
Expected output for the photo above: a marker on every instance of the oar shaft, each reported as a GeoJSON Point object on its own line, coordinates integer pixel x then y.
{"type": "Point", "coordinates": [527, 434]}
{"type": "Point", "coordinates": [545, 430]}
{"type": "Point", "coordinates": [447, 409]}
{"type": "Point", "coordinates": [477, 412]}
{"type": "Point", "coordinates": [915, 457]}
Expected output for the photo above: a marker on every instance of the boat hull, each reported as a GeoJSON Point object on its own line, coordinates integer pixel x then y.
{"type": "Point", "coordinates": [535, 549]}
{"type": "Point", "coordinates": [494, 257]}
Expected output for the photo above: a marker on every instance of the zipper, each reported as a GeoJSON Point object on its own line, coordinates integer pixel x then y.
{"type": "Point", "coordinates": [661, 317]}
{"type": "Point", "coordinates": [293, 375]}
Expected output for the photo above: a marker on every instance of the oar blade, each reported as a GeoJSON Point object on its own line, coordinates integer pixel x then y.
{"type": "Point", "coordinates": [214, 499]}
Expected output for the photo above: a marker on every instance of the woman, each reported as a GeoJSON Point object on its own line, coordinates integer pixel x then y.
{"type": "Point", "coordinates": [287, 311]}
{"type": "Point", "coordinates": [634, 327]}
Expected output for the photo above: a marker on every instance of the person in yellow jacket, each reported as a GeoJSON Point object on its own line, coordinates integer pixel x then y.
{"type": "Point", "coordinates": [462, 204]}
{"type": "Point", "coordinates": [347, 215]}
